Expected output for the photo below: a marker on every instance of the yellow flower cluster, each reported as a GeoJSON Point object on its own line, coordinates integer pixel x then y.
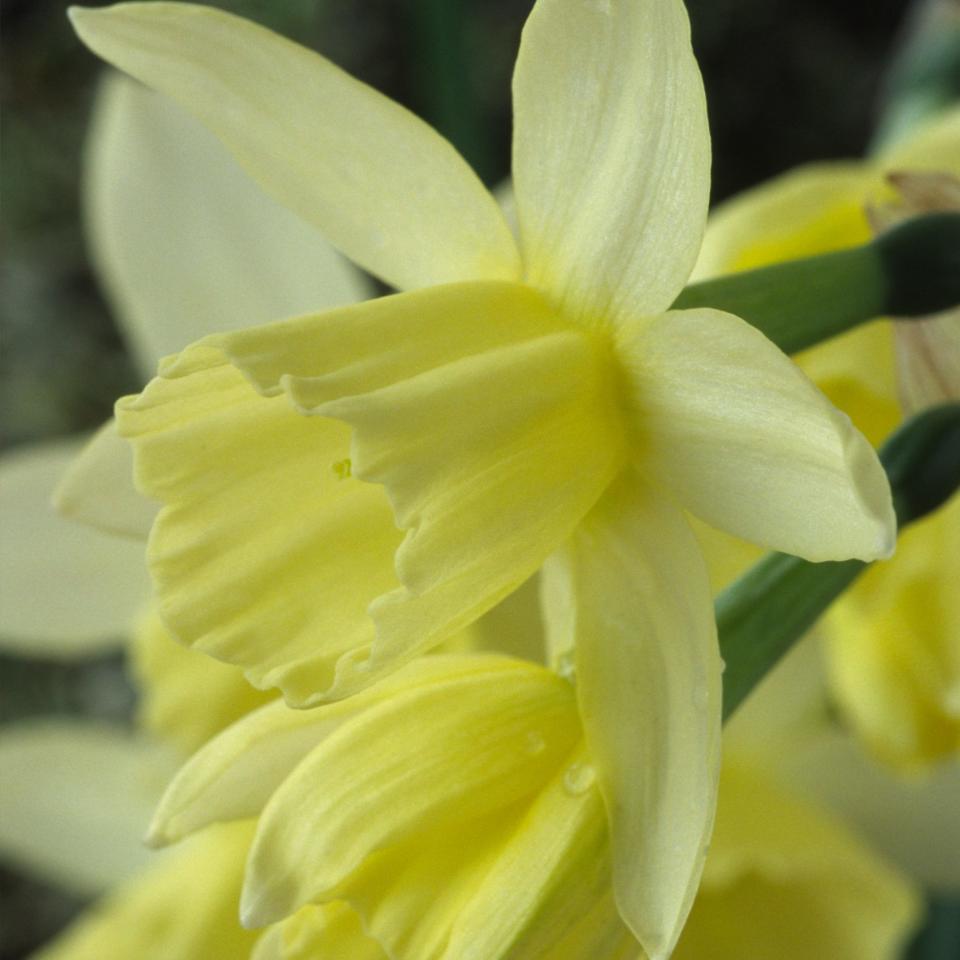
{"type": "Point", "coordinates": [368, 510]}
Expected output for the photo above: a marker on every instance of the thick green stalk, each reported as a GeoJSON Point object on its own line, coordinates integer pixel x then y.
{"type": "Point", "coordinates": [910, 271]}
{"type": "Point", "coordinates": [761, 615]}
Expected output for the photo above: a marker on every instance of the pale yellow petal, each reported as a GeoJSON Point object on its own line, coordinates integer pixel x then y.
{"type": "Point", "coordinates": [492, 427]}
{"type": "Point", "coordinates": [785, 880]}
{"type": "Point", "coordinates": [97, 488]}
{"type": "Point", "coordinates": [182, 907]}
{"type": "Point", "coordinates": [611, 154]}
{"type": "Point", "coordinates": [184, 242]}
{"type": "Point", "coordinates": [185, 696]}
{"type": "Point", "coordinates": [233, 775]}
{"type": "Point", "coordinates": [746, 442]}
{"type": "Point", "coordinates": [810, 210]}
{"type": "Point", "coordinates": [266, 553]}
{"type": "Point", "coordinates": [439, 754]}
{"type": "Point", "coordinates": [549, 895]}
{"type": "Point", "coordinates": [329, 930]}
{"type": "Point", "coordinates": [75, 801]}
{"type": "Point", "coordinates": [648, 680]}
{"type": "Point", "coordinates": [65, 590]}
{"type": "Point", "coordinates": [857, 373]}
{"type": "Point", "coordinates": [893, 647]}
{"type": "Point", "coordinates": [383, 187]}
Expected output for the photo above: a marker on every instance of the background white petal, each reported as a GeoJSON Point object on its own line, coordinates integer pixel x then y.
{"type": "Point", "coordinates": [387, 190]}
{"type": "Point", "coordinates": [184, 242]}
{"type": "Point", "coordinates": [76, 801]}
{"type": "Point", "coordinates": [64, 589]}
{"type": "Point", "coordinates": [97, 488]}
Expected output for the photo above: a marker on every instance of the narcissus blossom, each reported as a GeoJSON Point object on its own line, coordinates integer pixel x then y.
{"type": "Point", "coordinates": [892, 642]}
{"type": "Point", "coordinates": [345, 489]}
{"type": "Point", "coordinates": [521, 400]}
{"type": "Point", "coordinates": [451, 811]}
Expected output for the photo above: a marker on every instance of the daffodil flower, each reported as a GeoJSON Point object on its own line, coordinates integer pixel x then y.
{"type": "Point", "coordinates": [892, 642]}
{"type": "Point", "coordinates": [453, 809]}
{"type": "Point", "coordinates": [523, 399]}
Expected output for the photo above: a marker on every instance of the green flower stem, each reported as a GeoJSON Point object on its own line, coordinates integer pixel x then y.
{"type": "Point", "coordinates": [761, 615]}
{"type": "Point", "coordinates": [910, 271]}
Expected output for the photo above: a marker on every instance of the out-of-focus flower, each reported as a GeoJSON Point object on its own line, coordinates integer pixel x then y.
{"type": "Point", "coordinates": [582, 408]}
{"type": "Point", "coordinates": [893, 641]}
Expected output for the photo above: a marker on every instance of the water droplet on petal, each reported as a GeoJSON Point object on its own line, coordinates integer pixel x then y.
{"type": "Point", "coordinates": [578, 778]}
{"type": "Point", "coordinates": [534, 743]}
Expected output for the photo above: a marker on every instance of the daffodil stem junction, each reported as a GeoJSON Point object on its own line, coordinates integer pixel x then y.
{"type": "Point", "coordinates": [762, 614]}
{"type": "Point", "coordinates": [912, 270]}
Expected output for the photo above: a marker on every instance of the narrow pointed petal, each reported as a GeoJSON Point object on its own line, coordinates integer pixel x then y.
{"type": "Point", "coordinates": [380, 184]}
{"type": "Point", "coordinates": [183, 906]}
{"type": "Point", "coordinates": [97, 488]}
{"type": "Point", "coordinates": [485, 490]}
{"type": "Point", "coordinates": [611, 154]}
{"type": "Point", "coordinates": [496, 732]}
{"type": "Point", "coordinates": [76, 799]}
{"type": "Point", "coordinates": [648, 678]}
{"type": "Point", "coordinates": [64, 590]}
{"type": "Point", "coordinates": [184, 242]}
{"type": "Point", "coordinates": [785, 880]}
{"type": "Point", "coordinates": [810, 210]}
{"type": "Point", "coordinates": [746, 442]}
{"type": "Point", "coordinates": [283, 594]}
{"type": "Point", "coordinates": [234, 775]}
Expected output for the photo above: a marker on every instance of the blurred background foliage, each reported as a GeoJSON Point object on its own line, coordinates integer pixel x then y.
{"type": "Point", "coordinates": [788, 81]}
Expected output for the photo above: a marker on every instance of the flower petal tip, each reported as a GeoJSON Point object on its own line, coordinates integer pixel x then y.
{"type": "Point", "coordinates": [157, 836]}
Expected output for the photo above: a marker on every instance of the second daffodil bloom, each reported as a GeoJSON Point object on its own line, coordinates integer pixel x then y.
{"type": "Point", "coordinates": [523, 401]}
{"type": "Point", "coordinates": [892, 642]}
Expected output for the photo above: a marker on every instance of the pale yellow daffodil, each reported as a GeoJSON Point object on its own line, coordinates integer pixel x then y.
{"type": "Point", "coordinates": [893, 641]}
{"type": "Point", "coordinates": [521, 403]}
{"type": "Point", "coordinates": [451, 811]}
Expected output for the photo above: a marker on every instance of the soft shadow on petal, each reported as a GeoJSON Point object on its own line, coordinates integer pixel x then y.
{"type": "Point", "coordinates": [184, 242]}
{"type": "Point", "coordinates": [648, 679]}
{"type": "Point", "coordinates": [745, 441]}
{"type": "Point", "coordinates": [329, 930]}
{"type": "Point", "coordinates": [380, 184]}
{"type": "Point", "coordinates": [65, 590]}
{"type": "Point", "coordinates": [185, 697]}
{"type": "Point", "coordinates": [611, 154]}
